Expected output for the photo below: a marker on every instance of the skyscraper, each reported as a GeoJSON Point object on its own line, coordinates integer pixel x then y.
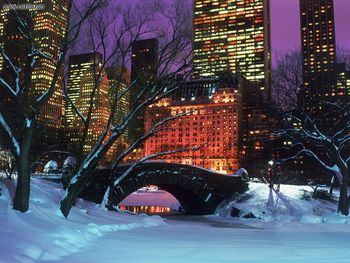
{"type": "Point", "coordinates": [48, 20]}
{"type": "Point", "coordinates": [80, 80]}
{"type": "Point", "coordinates": [13, 44]}
{"type": "Point", "coordinates": [233, 34]}
{"type": "Point", "coordinates": [81, 85]}
{"type": "Point", "coordinates": [318, 49]}
{"type": "Point", "coordinates": [143, 69]}
{"type": "Point", "coordinates": [119, 80]}
{"type": "Point", "coordinates": [50, 28]}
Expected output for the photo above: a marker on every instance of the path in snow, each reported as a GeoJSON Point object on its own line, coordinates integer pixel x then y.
{"type": "Point", "coordinates": [189, 241]}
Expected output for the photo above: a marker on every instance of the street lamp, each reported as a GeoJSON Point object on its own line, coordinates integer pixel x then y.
{"type": "Point", "coordinates": [270, 172]}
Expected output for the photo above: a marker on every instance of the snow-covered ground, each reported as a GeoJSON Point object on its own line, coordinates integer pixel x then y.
{"type": "Point", "coordinates": [283, 233]}
{"type": "Point", "coordinates": [290, 204]}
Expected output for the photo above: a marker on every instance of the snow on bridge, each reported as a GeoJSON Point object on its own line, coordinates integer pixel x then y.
{"type": "Point", "coordinates": [198, 190]}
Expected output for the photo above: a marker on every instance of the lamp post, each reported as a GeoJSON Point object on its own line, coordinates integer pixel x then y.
{"type": "Point", "coordinates": [270, 172]}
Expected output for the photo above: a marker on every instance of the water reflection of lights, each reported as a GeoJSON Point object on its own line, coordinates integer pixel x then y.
{"type": "Point", "coordinates": [146, 209]}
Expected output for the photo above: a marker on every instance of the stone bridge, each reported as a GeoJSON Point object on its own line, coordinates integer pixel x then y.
{"type": "Point", "coordinates": [198, 190]}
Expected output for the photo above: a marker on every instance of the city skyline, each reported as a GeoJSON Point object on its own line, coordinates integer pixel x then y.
{"type": "Point", "coordinates": [227, 34]}
{"type": "Point", "coordinates": [144, 105]}
{"type": "Point", "coordinates": [285, 24]}
{"type": "Point", "coordinates": [53, 14]}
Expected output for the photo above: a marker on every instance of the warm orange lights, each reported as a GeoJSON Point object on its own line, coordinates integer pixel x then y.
{"type": "Point", "coordinates": [232, 34]}
{"type": "Point", "coordinates": [318, 45]}
{"type": "Point", "coordinates": [212, 123]}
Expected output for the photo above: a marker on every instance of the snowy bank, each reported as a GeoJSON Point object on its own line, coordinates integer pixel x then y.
{"type": "Point", "coordinates": [92, 234]}
{"type": "Point", "coordinates": [290, 204]}
{"type": "Point", "coordinates": [43, 234]}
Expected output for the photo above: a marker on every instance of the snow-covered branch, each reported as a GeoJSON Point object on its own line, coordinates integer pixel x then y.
{"type": "Point", "coordinates": [158, 127]}
{"type": "Point", "coordinates": [16, 70]}
{"type": "Point", "coordinates": [72, 104]}
{"type": "Point", "coordinates": [152, 156]}
{"type": "Point", "coordinates": [311, 153]}
{"type": "Point", "coordinates": [10, 134]}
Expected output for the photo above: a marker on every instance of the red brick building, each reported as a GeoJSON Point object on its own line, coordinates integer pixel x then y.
{"type": "Point", "coordinates": [212, 123]}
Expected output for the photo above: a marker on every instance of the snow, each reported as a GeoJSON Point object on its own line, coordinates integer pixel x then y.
{"type": "Point", "coordinates": [28, 123]}
{"type": "Point", "coordinates": [208, 198]}
{"type": "Point", "coordinates": [294, 230]}
{"type": "Point", "coordinates": [240, 173]}
{"type": "Point", "coordinates": [50, 166]}
{"type": "Point", "coordinates": [69, 162]}
{"type": "Point", "coordinates": [286, 205]}
{"type": "Point", "coordinates": [8, 130]}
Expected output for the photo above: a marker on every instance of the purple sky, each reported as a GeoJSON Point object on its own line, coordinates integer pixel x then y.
{"type": "Point", "coordinates": [285, 24]}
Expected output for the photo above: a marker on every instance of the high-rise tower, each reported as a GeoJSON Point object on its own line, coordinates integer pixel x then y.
{"type": "Point", "coordinates": [318, 49]}
{"type": "Point", "coordinates": [119, 81]}
{"type": "Point", "coordinates": [48, 20]}
{"type": "Point", "coordinates": [233, 34]}
{"type": "Point", "coordinates": [143, 69]}
{"type": "Point", "coordinates": [81, 85]}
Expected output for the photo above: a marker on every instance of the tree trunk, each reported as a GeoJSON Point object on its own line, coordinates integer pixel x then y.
{"type": "Point", "coordinates": [343, 205]}
{"type": "Point", "coordinates": [74, 190]}
{"type": "Point", "coordinates": [67, 203]}
{"type": "Point", "coordinates": [83, 176]}
{"type": "Point", "coordinates": [332, 186]}
{"type": "Point", "coordinates": [21, 200]}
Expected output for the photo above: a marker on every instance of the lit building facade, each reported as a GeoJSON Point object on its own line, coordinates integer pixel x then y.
{"type": "Point", "coordinates": [212, 124]}
{"type": "Point", "coordinates": [144, 68]}
{"type": "Point", "coordinates": [119, 81]}
{"type": "Point", "coordinates": [233, 34]}
{"type": "Point", "coordinates": [48, 29]}
{"type": "Point", "coordinates": [343, 79]}
{"type": "Point", "coordinates": [318, 50]}
{"type": "Point", "coordinates": [258, 122]}
{"type": "Point", "coordinates": [81, 83]}
{"type": "Point", "coordinates": [14, 46]}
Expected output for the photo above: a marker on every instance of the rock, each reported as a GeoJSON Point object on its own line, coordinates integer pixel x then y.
{"type": "Point", "coordinates": [250, 215]}
{"type": "Point", "coordinates": [235, 212]}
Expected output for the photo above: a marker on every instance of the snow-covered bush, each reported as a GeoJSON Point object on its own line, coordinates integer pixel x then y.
{"type": "Point", "coordinates": [51, 166]}
{"type": "Point", "coordinates": [70, 163]}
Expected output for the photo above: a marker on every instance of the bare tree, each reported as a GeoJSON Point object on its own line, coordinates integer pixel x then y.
{"type": "Point", "coordinates": [7, 163]}
{"type": "Point", "coordinates": [328, 146]}
{"type": "Point", "coordinates": [287, 81]}
{"type": "Point", "coordinates": [18, 123]}
{"type": "Point", "coordinates": [123, 29]}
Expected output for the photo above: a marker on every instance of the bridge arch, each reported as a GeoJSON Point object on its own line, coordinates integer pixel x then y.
{"type": "Point", "coordinates": [198, 190]}
{"type": "Point", "coordinates": [190, 194]}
